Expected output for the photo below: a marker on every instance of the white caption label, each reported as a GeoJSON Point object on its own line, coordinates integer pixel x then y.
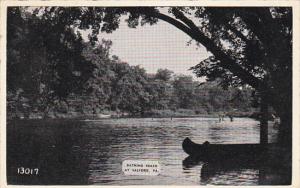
{"type": "Point", "coordinates": [141, 167]}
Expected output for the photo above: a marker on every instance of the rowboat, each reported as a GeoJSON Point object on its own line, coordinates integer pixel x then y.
{"type": "Point", "coordinates": [102, 116]}
{"type": "Point", "coordinates": [219, 152]}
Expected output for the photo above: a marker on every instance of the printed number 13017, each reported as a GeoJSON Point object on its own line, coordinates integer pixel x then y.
{"type": "Point", "coordinates": [28, 171]}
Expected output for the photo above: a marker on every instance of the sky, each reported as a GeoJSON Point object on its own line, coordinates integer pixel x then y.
{"type": "Point", "coordinates": [153, 47]}
{"type": "Point", "coordinates": [157, 46]}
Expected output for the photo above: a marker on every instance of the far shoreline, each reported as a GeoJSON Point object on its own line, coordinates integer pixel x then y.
{"type": "Point", "coordinates": [95, 117]}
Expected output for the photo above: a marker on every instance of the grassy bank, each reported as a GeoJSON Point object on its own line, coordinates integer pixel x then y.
{"type": "Point", "coordinates": [192, 113]}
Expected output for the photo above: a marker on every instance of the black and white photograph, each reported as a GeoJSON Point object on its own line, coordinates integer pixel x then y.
{"type": "Point", "coordinates": [149, 95]}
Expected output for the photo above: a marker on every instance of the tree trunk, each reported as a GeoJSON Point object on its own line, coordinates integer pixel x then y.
{"type": "Point", "coordinates": [285, 129]}
{"type": "Point", "coordinates": [283, 107]}
{"type": "Point", "coordinates": [264, 119]}
{"type": "Point", "coordinates": [285, 141]}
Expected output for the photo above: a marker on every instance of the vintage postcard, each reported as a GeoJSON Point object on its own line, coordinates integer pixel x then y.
{"type": "Point", "coordinates": [150, 93]}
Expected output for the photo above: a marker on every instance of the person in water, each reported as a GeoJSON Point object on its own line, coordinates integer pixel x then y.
{"type": "Point", "coordinates": [230, 117]}
{"type": "Point", "coordinates": [221, 117]}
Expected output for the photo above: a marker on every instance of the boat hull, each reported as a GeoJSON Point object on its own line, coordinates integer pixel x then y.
{"type": "Point", "coordinates": [217, 152]}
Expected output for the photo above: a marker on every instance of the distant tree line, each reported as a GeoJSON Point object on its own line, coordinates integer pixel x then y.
{"type": "Point", "coordinates": [119, 87]}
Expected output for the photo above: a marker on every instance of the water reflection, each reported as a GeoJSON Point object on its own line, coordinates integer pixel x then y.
{"type": "Point", "coordinates": [236, 171]}
{"type": "Point", "coordinates": [91, 152]}
{"type": "Point", "coordinates": [241, 171]}
{"type": "Point", "coordinates": [52, 148]}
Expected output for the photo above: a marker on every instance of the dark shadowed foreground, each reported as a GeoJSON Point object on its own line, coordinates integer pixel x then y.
{"type": "Point", "coordinates": [91, 152]}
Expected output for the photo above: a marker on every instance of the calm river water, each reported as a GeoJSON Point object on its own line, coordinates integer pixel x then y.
{"type": "Point", "coordinates": [91, 152]}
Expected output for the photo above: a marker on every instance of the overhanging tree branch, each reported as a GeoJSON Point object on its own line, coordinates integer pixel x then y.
{"type": "Point", "coordinates": [194, 32]}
